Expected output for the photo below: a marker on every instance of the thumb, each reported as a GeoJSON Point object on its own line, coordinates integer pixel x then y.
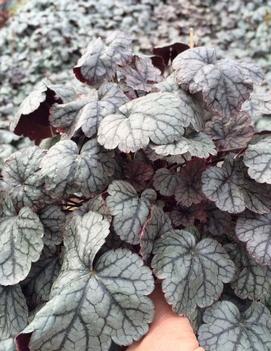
{"type": "Point", "coordinates": [168, 330]}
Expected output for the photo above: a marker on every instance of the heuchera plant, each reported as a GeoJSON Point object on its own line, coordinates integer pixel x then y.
{"type": "Point", "coordinates": [151, 174]}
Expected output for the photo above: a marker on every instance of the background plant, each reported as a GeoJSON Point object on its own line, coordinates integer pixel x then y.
{"type": "Point", "coordinates": [151, 171]}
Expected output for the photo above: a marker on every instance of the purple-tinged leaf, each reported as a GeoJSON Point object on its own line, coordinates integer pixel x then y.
{"type": "Point", "coordinates": [138, 173]}
{"type": "Point", "coordinates": [166, 181]}
{"type": "Point", "coordinates": [169, 52]}
{"type": "Point", "coordinates": [187, 216]}
{"type": "Point", "coordinates": [32, 117]}
{"type": "Point", "coordinates": [231, 134]}
{"type": "Point", "coordinates": [188, 190]}
{"type": "Point", "coordinates": [219, 223]}
{"type": "Point", "coordinates": [141, 74]}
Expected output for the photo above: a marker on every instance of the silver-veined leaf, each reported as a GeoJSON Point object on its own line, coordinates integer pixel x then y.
{"type": "Point", "coordinates": [130, 211]}
{"type": "Point", "coordinates": [224, 84]}
{"type": "Point", "coordinates": [20, 243]}
{"type": "Point", "coordinates": [157, 224]}
{"type": "Point", "coordinates": [23, 178]}
{"type": "Point", "coordinates": [170, 85]}
{"type": "Point", "coordinates": [230, 134]}
{"type": "Point", "coordinates": [94, 304]}
{"type": "Point", "coordinates": [165, 181]}
{"type": "Point", "coordinates": [228, 329]}
{"type": "Point", "coordinates": [192, 271]}
{"type": "Point", "coordinates": [196, 144]}
{"type": "Point", "coordinates": [43, 273]}
{"type": "Point", "coordinates": [13, 315]}
{"type": "Point", "coordinates": [88, 111]}
{"type": "Point", "coordinates": [67, 171]}
{"type": "Point", "coordinates": [188, 190]}
{"type": "Point", "coordinates": [233, 191]}
{"type": "Point", "coordinates": [95, 204]}
{"type": "Point", "coordinates": [251, 281]}
{"type": "Point", "coordinates": [100, 61]}
{"type": "Point", "coordinates": [156, 117]}
{"type": "Point", "coordinates": [53, 220]}
{"type": "Point", "coordinates": [255, 231]}
{"type": "Point", "coordinates": [140, 74]}
{"type": "Point", "coordinates": [258, 160]}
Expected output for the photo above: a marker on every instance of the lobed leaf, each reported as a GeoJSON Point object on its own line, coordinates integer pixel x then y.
{"type": "Point", "coordinates": [129, 211]}
{"type": "Point", "coordinates": [53, 220]}
{"type": "Point", "coordinates": [224, 84]}
{"type": "Point", "coordinates": [157, 225]}
{"type": "Point", "coordinates": [156, 117]}
{"type": "Point", "coordinates": [188, 190]}
{"type": "Point", "coordinates": [251, 280]}
{"type": "Point", "coordinates": [43, 273]}
{"type": "Point", "coordinates": [166, 181]}
{"type": "Point", "coordinates": [31, 119]}
{"type": "Point", "coordinates": [100, 62]}
{"type": "Point", "coordinates": [20, 243]}
{"type": "Point", "coordinates": [88, 111]}
{"type": "Point", "coordinates": [255, 231]}
{"type": "Point", "coordinates": [13, 315]}
{"type": "Point", "coordinates": [187, 216]}
{"type": "Point", "coordinates": [21, 174]}
{"type": "Point", "coordinates": [232, 191]}
{"type": "Point", "coordinates": [193, 272]}
{"type": "Point", "coordinates": [225, 327]}
{"type": "Point", "coordinates": [230, 134]}
{"type": "Point", "coordinates": [95, 204]}
{"type": "Point", "coordinates": [258, 160]}
{"type": "Point", "coordinates": [67, 171]}
{"type": "Point", "coordinates": [193, 105]}
{"type": "Point", "coordinates": [94, 304]}
{"type": "Point", "coordinates": [138, 173]}
{"type": "Point", "coordinates": [141, 74]}
{"type": "Point", "coordinates": [196, 144]}
{"type": "Point", "coordinates": [219, 223]}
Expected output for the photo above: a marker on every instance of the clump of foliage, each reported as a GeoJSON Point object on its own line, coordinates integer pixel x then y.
{"type": "Point", "coordinates": [152, 173]}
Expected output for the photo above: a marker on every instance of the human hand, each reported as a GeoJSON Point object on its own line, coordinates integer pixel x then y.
{"type": "Point", "coordinates": [168, 331]}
